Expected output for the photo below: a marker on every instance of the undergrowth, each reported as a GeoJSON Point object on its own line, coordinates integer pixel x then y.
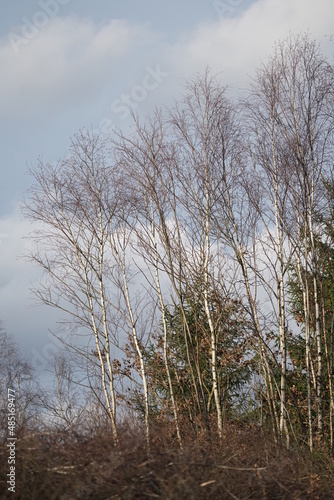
{"type": "Point", "coordinates": [247, 464]}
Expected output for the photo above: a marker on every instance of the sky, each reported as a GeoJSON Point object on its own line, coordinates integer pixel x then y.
{"type": "Point", "coordinates": [72, 64]}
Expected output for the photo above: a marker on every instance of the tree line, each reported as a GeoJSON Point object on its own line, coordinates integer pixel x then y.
{"type": "Point", "coordinates": [192, 258]}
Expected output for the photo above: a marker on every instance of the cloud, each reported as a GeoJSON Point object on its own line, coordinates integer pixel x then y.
{"type": "Point", "coordinates": [65, 62]}
{"type": "Point", "coordinates": [15, 274]}
{"type": "Point", "coordinates": [72, 61]}
{"type": "Point", "coordinates": [235, 45]}
{"type": "Point", "coordinates": [26, 324]}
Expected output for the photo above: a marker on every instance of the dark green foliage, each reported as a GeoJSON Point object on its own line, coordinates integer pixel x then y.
{"type": "Point", "coordinates": [189, 358]}
{"type": "Point", "coordinates": [323, 272]}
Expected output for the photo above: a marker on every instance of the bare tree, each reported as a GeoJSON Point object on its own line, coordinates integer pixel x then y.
{"type": "Point", "coordinates": [272, 180]}
{"type": "Point", "coordinates": [143, 158]}
{"type": "Point", "coordinates": [292, 128]}
{"type": "Point", "coordinates": [74, 204]}
{"type": "Point", "coordinates": [17, 374]}
{"type": "Point", "coordinates": [64, 404]}
{"type": "Point", "coordinates": [168, 243]}
{"type": "Point", "coordinates": [198, 134]}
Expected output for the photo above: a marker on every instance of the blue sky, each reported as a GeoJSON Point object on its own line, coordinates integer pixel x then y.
{"type": "Point", "coordinates": [68, 64]}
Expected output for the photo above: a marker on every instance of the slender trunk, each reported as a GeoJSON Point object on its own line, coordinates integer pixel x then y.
{"type": "Point", "coordinates": [281, 299]}
{"type": "Point", "coordinates": [280, 293]}
{"type": "Point", "coordinates": [109, 395]}
{"type": "Point", "coordinates": [306, 307]}
{"type": "Point", "coordinates": [104, 320]}
{"type": "Point", "coordinates": [329, 372]}
{"type": "Point", "coordinates": [317, 333]}
{"type": "Point", "coordinates": [209, 318]}
{"type": "Point", "coordinates": [177, 287]}
{"type": "Point", "coordinates": [267, 371]}
{"type": "Point", "coordinates": [281, 321]}
{"type": "Point", "coordinates": [331, 354]}
{"type": "Point", "coordinates": [138, 348]}
{"type": "Point", "coordinates": [164, 323]}
{"type": "Point", "coordinates": [236, 245]}
{"type": "Point", "coordinates": [308, 186]}
{"type": "Point", "coordinates": [111, 405]}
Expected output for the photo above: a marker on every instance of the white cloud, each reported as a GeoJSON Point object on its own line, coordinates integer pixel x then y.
{"type": "Point", "coordinates": [71, 61]}
{"type": "Point", "coordinates": [236, 45]}
{"type": "Point", "coordinates": [66, 60]}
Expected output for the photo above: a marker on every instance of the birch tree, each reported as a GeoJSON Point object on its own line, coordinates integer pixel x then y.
{"type": "Point", "coordinates": [196, 126]}
{"type": "Point", "coordinates": [269, 162]}
{"type": "Point", "coordinates": [74, 205]}
{"type": "Point", "coordinates": [143, 158]}
{"type": "Point", "coordinates": [305, 120]}
{"type": "Point", "coordinates": [293, 123]}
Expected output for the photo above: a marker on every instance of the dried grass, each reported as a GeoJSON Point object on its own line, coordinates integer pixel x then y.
{"type": "Point", "coordinates": [247, 465]}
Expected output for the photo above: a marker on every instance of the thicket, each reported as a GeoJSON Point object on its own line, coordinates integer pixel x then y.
{"type": "Point", "coordinates": [193, 262]}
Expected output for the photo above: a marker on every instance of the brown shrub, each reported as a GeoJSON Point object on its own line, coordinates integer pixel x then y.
{"type": "Point", "coordinates": [247, 464]}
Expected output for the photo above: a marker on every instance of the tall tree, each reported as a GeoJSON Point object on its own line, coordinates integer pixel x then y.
{"type": "Point", "coordinates": [292, 126]}
{"type": "Point", "coordinates": [75, 205]}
